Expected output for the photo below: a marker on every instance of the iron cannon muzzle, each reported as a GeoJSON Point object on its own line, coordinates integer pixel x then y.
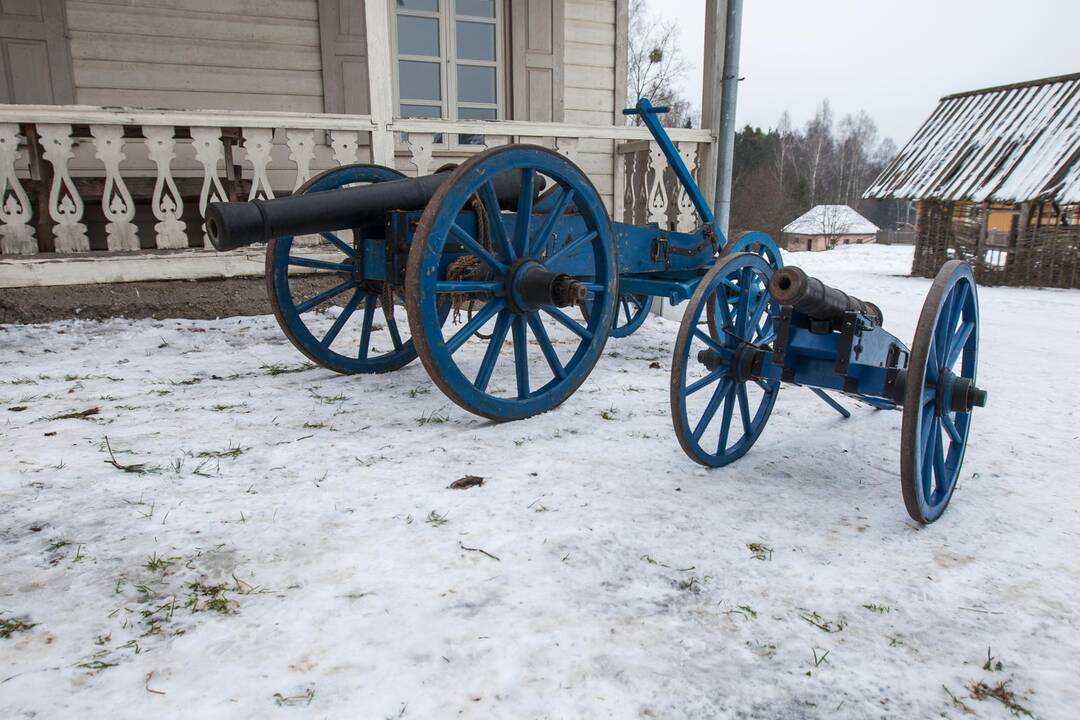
{"type": "Point", "coordinates": [808, 295]}
{"type": "Point", "coordinates": [232, 225]}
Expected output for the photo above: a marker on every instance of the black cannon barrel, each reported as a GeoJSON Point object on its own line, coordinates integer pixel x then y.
{"type": "Point", "coordinates": [232, 225]}
{"type": "Point", "coordinates": [792, 286]}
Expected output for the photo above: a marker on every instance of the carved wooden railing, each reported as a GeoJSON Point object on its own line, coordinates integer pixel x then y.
{"type": "Point", "coordinates": [87, 182]}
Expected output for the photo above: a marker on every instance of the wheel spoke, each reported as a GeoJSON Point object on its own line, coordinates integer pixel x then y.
{"type": "Point", "coordinates": [958, 341]}
{"type": "Point", "coordinates": [939, 460]}
{"type": "Point", "coordinates": [339, 243]}
{"type": "Point", "coordinates": [707, 380]}
{"type": "Point", "coordinates": [319, 264]}
{"type": "Point", "coordinates": [494, 215]}
{"type": "Point", "coordinates": [524, 211]}
{"type": "Point", "coordinates": [548, 229]}
{"type": "Point", "coordinates": [744, 408]}
{"type": "Point", "coordinates": [339, 323]}
{"type": "Point", "coordinates": [572, 325]}
{"type": "Point", "coordinates": [929, 438]}
{"type": "Point", "coordinates": [626, 309]}
{"type": "Point", "coordinates": [959, 299]}
{"type": "Point", "coordinates": [365, 330]}
{"type": "Point", "coordinates": [521, 356]}
{"type": "Point", "coordinates": [725, 421]}
{"type": "Point", "coordinates": [755, 316]}
{"type": "Point", "coordinates": [569, 248]}
{"type": "Point", "coordinates": [392, 328]}
{"type": "Point", "coordinates": [595, 288]}
{"type": "Point", "coordinates": [951, 429]}
{"type": "Point", "coordinates": [478, 321]}
{"type": "Point", "coordinates": [491, 355]}
{"type": "Point", "coordinates": [468, 286]}
{"type": "Point", "coordinates": [742, 308]}
{"type": "Point", "coordinates": [458, 233]}
{"type": "Point", "coordinates": [546, 347]}
{"type": "Point", "coordinates": [708, 340]}
{"type": "Point", "coordinates": [718, 396]}
{"type": "Point", "coordinates": [324, 296]}
{"type": "Point", "coordinates": [942, 332]}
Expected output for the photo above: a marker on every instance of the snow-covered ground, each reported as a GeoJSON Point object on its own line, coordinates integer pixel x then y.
{"type": "Point", "coordinates": [289, 546]}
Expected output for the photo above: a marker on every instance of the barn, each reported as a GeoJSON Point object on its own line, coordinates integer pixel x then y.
{"type": "Point", "coordinates": [996, 175]}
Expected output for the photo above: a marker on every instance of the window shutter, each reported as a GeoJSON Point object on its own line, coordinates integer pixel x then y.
{"type": "Point", "coordinates": [343, 39]}
{"type": "Point", "coordinates": [537, 60]}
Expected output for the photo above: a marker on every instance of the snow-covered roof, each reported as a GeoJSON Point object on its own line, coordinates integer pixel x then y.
{"type": "Point", "coordinates": [1004, 144]}
{"type": "Point", "coordinates": [830, 220]}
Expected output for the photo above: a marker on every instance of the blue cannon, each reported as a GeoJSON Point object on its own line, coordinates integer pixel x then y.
{"type": "Point", "coordinates": [512, 277]}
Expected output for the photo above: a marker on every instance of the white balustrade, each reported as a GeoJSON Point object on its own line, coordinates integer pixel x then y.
{"type": "Point", "coordinates": [209, 152]}
{"type": "Point", "coordinates": [65, 205]}
{"type": "Point", "coordinates": [685, 220]}
{"type": "Point", "coordinates": [88, 185]}
{"type": "Point", "coordinates": [16, 233]}
{"type": "Point", "coordinates": [116, 203]}
{"type": "Point", "coordinates": [301, 151]}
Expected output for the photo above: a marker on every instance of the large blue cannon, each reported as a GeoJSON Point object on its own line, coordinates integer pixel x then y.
{"type": "Point", "coordinates": [512, 277]}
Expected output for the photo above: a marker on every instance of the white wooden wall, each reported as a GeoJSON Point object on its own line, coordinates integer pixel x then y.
{"type": "Point", "coordinates": [589, 84]}
{"type": "Point", "coordinates": [250, 55]}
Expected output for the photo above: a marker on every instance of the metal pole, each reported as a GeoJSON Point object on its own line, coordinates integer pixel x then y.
{"type": "Point", "coordinates": [730, 90]}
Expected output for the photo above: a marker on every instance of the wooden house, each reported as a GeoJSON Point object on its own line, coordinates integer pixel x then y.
{"type": "Point", "coordinates": [823, 227]}
{"type": "Point", "coordinates": [120, 121]}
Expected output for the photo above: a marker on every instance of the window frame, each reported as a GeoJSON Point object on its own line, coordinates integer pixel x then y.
{"type": "Point", "coordinates": [446, 16]}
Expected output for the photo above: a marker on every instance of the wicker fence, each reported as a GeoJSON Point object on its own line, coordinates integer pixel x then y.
{"type": "Point", "coordinates": [1038, 255]}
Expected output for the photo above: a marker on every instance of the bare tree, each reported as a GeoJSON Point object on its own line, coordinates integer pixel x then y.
{"type": "Point", "coordinates": [655, 66]}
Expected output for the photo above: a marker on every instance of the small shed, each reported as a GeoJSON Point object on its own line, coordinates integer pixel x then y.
{"type": "Point", "coordinates": [996, 175]}
{"type": "Point", "coordinates": [823, 227]}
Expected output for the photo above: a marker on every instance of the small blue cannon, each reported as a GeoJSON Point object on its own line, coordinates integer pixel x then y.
{"type": "Point", "coordinates": [513, 276]}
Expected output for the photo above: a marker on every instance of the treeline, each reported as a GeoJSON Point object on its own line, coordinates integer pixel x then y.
{"type": "Point", "coordinates": [783, 172]}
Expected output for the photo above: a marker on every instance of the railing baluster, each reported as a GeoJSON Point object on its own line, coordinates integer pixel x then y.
{"type": "Point", "coordinates": [257, 145]}
{"type": "Point", "coordinates": [209, 150]}
{"type": "Point", "coordinates": [346, 146]}
{"type": "Point", "coordinates": [65, 205]}
{"type": "Point", "coordinates": [166, 202]}
{"type": "Point", "coordinates": [16, 232]}
{"type": "Point", "coordinates": [116, 203]}
{"type": "Point", "coordinates": [658, 197]}
{"type": "Point", "coordinates": [421, 146]}
{"type": "Point", "coordinates": [301, 151]}
{"type": "Point", "coordinates": [685, 220]}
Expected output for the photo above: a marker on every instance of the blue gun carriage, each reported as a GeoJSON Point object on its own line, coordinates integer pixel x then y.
{"type": "Point", "coordinates": [512, 276]}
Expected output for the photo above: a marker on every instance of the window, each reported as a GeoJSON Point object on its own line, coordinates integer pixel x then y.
{"type": "Point", "coordinates": [448, 60]}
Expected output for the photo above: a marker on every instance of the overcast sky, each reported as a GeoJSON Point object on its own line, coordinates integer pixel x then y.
{"type": "Point", "coordinates": [892, 59]}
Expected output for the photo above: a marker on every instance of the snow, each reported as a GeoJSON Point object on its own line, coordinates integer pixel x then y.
{"type": "Point", "coordinates": [624, 584]}
{"type": "Point", "coordinates": [1004, 144]}
{"type": "Point", "coordinates": [831, 220]}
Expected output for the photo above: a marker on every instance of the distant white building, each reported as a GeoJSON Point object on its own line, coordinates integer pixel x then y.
{"type": "Point", "coordinates": [826, 226]}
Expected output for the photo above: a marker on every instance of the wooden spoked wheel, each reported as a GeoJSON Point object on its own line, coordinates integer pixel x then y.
{"type": "Point", "coordinates": [323, 304]}
{"type": "Point", "coordinates": [552, 347]}
{"type": "Point", "coordinates": [940, 393]}
{"type": "Point", "coordinates": [719, 413]}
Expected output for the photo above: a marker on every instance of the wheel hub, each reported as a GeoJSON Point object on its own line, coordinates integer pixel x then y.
{"type": "Point", "coordinates": [529, 286]}
{"type": "Point", "coordinates": [958, 394]}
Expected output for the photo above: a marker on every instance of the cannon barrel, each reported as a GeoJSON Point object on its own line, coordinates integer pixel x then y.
{"type": "Point", "coordinates": [231, 225]}
{"type": "Point", "coordinates": [791, 286]}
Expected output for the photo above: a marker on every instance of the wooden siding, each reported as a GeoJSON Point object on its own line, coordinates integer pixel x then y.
{"type": "Point", "coordinates": [250, 55]}
{"type": "Point", "coordinates": [589, 73]}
